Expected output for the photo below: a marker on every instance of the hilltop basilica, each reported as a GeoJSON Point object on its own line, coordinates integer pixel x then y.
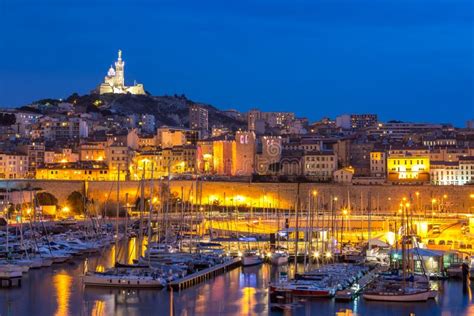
{"type": "Point", "coordinates": [114, 82]}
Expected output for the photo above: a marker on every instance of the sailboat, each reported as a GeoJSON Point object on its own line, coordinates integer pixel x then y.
{"type": "Point", "coordinates": [122, 276]}
{"type": "Point", "coordinates": [279, 256]}
{"type": "Point", "coordinates": [7, 269]}
{"type": "Point", "coordinates": [408, 289]}
{"type": "Point", "coordinates": [251, 257]}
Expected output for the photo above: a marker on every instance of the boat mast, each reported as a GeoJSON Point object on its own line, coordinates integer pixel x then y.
{"type": "Point", "coordinates": [297, 224]}
{"type": "Point", "coordinates": [117, 214]}
{"type": "Point", "coordinates": [142, 207]}
{"type": "Point", "coordinates": [150, 209]}
{"type": "Point", "coordinates": [308, 207]}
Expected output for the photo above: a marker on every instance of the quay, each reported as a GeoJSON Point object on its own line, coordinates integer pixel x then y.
{"type": "Point", "coordinates": [203, 275]}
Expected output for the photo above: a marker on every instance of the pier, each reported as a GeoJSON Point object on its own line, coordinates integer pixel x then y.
{"type": "Point", "coordinates": [203, 275]}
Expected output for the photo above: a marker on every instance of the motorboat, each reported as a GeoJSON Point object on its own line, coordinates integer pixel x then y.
{"type": "Point", "coordinates": [279, 258]}
{"type": "Point", "coordinates": [157, 250]}
{"type": "Point", "coordinates": [251, 257]}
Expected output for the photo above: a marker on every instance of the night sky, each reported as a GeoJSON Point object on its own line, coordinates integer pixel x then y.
{"type": "Point", "coordinates": [403, 59]}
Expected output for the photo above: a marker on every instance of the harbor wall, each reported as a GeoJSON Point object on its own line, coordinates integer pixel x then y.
{"type": "Point", "coordinates": [270, 195]}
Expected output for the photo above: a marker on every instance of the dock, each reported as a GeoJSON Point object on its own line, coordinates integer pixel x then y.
{"type": "Point", "coordinates": [203, 275]}
{"type": "Point", "coordinates": [351, 292]}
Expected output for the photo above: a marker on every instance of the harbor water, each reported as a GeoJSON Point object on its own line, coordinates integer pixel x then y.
{"type": "Point", "coordinates": [58, 290]}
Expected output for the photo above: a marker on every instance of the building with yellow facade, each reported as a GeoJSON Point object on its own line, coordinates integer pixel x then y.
{"type": "Point", "coordinates": [164, 162]}
{"type": "Point", "coordinates": [407, 168]}
{"type": "Point", "coordinates": [84, 170]}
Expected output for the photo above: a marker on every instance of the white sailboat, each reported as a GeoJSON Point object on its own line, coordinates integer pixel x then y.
{"type": "Point", "coordinates": [136, 276]}
{"type": "Point", "coordinates": [406, 289]}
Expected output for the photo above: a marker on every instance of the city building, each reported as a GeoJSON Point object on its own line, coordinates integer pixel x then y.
{"type": "Point", "coordinates": [118, 157]}
{"type": "Point", "coordinates": [378, 164]}
{"type": "Point", "coordinates": [343, 175]}
{"type": "Point", "coordinates": [269, 149]}
{"type": "Point", "coordinates": [92, 151]}
{"type": "Point", "coordinates": [445, 173]}
{"type": "Point", "coordinates": [243, 153]}
{"type": "Point", "coordinates": [360, 121]}
{"type": "Point", "coordinates": [466, 168]}
{"type": "Point", "coordinates": [222, 155]}
{"type": "Point", "coordinates": [199, 119]}
{"type": "Point", "coordinates": [13, 166]}
{"type": "Point", "coordinates": [35, 152]}
{"type": "Point", "coordinates": [173, 136]}
{"type": "Point", "coordinates": [319, 166]}
{"type": "Point", "coordinates": [163, 162]}
{"type": "Point", "coordinates": [408, 167]}
{"type": "Point", "coordinates": [344, 121]}
{"type": "Point", "coordinates": [83, 170]}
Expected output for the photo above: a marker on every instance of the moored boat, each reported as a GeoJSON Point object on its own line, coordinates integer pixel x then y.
{"type": "Point", "coordinates": [402, 295]}
{"type": "Point", "coordinates": [279, 258]}
{"type": "Point", "coordinates": [251, 258]}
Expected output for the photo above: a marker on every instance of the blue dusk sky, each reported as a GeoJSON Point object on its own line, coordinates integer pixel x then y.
{"type": "Point", "coordinates": [410, 60]}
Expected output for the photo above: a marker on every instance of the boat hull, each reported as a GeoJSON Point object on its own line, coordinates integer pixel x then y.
{"type": "Point", "coordinates": [279, 260]}
{"type": "Point", "coordinates": [312, 293]}
{"type": "Point", "coordinates": [251, 261]}
{"type": "Point", "coordinates": [121, 282]}
{"type": "Point", "coordinates": [412, 297]}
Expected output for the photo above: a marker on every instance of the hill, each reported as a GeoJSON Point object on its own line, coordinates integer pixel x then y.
{"type": "Point", "coordinates": [168, 110]}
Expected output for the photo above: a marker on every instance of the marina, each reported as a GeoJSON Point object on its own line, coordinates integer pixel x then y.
{"type": "Point", "coordinates": [312, 252]}
{"type": "Point", "coordinates": [61, 291]}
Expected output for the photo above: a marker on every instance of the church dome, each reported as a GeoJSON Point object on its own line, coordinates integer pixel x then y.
{"type": "Point", "coordinates": [111, 72]}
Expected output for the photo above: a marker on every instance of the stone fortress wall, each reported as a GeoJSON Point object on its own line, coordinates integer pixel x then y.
{"type": "Point", "coordinates": [267, 195]}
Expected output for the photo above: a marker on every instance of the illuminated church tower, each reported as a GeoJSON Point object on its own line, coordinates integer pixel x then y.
{"type": "Point", "coordinates": [119, 75]}
{"type": "Point", "coordinates": [114, 82]}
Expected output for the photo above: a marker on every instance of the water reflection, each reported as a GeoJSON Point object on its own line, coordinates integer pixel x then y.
{"type": "Point", "coordinates": [98, 309]}
{"type": "Point", "coordinates": [62, 284]}
{"type": "Point", "coordinates": [244, 291]}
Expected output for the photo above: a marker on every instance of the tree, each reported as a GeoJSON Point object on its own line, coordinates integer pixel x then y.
{"type": "Point", "coordinates": [75, 202]}
{"type": "Point", "coordinates": [7, 119]}
{"type": "Point", "coordinates": [46, 198]}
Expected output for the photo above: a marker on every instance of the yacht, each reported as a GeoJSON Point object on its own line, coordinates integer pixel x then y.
{"type": "Point", "coordinates": [279, 258]}
{"type": "Point", "coordinates": [251, 257]}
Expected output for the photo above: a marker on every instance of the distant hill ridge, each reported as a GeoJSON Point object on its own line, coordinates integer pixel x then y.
{"type": "Point", "coordinates": [168, 110]}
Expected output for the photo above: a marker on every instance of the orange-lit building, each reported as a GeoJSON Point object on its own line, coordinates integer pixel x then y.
{"type": "Point", "coordinates": [243, 153]}
{"type": "Point", "coordinates": [92, 151]}
{"type": "Point", "coordinates": [407, 167]}
{"type": "Point", "coordinates": [85, 170]}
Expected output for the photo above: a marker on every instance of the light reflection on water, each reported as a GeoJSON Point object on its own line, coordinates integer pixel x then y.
{"type": "Point", "coordinates": [62, 285]}
{"type": "Point", "coordinates": [58, 290]}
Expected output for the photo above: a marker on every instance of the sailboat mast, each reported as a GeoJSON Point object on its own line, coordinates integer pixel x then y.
{"type": "Point", "coordinates": [150, 209]}
{"type": "Point", "coordinates": [297, 224]}
{"type": "Point", "coordinates": [117, 214]}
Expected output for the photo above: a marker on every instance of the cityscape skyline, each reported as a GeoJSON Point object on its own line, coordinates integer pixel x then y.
{"type": "Point", "coordinates": [289, 69]}
{"type": "Point", "coordinates": [304, 157]}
